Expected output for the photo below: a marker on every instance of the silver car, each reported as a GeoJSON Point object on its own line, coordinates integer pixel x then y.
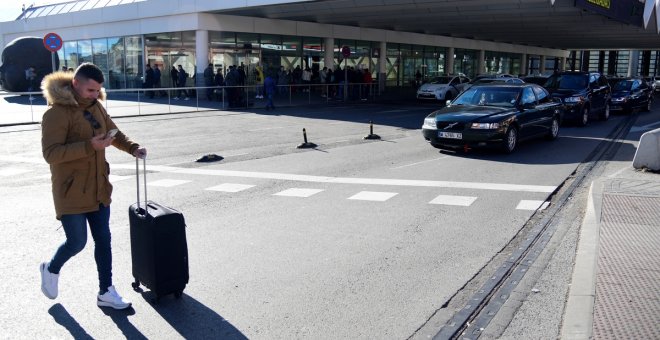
{"type": "Point", "coordinates": [442, 88]}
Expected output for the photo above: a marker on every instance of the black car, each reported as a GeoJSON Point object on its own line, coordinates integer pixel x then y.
{"type": "Point", "coordinates": [630, 94]}
{"type": "Point", "coordinates": [496, 115]}
{"type": "Point", "coordinates": [583, 93]}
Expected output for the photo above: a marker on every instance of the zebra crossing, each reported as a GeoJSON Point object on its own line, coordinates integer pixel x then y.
{"type": "Point", "coordinates": [307, 192]}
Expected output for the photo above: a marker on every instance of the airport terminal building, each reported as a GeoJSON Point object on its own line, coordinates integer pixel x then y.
{"type": "Point", "coordinates": [121, 36]}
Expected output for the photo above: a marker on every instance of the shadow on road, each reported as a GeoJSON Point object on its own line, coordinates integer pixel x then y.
{"type": "Point", "coordinates": [62, 317]}
{"type": "Point", "coordinates": [192, 319]}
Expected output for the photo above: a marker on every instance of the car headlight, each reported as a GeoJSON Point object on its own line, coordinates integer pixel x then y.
{"type": "Point", "coordinates": [622, 99]}
{"type": "Point", "coordinates": [430, 124]}
{"type": "Point", "coordinates": [574, 99]}
{"type": "Point", "coordinates": [485, 126]}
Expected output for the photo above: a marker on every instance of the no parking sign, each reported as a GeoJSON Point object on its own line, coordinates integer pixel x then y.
{"type": "Point", "coordinates": [53, 43]}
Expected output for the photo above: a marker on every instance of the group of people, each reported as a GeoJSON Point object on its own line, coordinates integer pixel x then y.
{"type": "Point", "coordinates": [152, 78]}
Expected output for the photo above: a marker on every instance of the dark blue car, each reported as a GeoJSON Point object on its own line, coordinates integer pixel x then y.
{"type": "Point", "coordinates": [631, 94]}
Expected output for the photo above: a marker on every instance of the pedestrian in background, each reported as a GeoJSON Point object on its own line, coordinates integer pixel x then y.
{"type": "Point", "coordinates": [74, 136]}
{"type": "Point", "coordinates": [209, 81]}
{"type": "Point", "coordinates": [269, 88]}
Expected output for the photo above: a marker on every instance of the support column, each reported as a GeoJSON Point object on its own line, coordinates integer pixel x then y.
{"type": "Point", "coordinates": [562, 63]}
{"type": "Point", "coordinates": [201, 55]}
{"type": "Point", "coordinates": [633, 62]}
{"type": "Point", "coordinates": [481, 63]}
{"type": "Point", "coordinates": [382, 66]}
{"type": "Point", "coordinates": [329, 53]}
{"type": "Point", "coordinates": [523, 64]}
{"type": "Point", "coordinates": [542, 64]}
{"type": "Point", "coordinates": [450, 61]}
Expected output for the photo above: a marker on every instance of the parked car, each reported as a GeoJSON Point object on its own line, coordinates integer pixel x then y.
{"type": "Point", "coordinates": [442, 88]}
{"type": "Point", "coordinates": [539, 79]}
{"type": "Point", "coordinates": [497, 116]}
{"type": "Point", "coordinates": [498, 80]}
{"type": "Point", "coordinates": [654, 82]}
{"type": "Point", "coordinates": [630, 94]}
{"type": "Point", "coordinates": [583, 93]}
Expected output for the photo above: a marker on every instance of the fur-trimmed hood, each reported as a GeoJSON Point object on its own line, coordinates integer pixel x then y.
{"type": "Point", "coordinates": [58, 89]}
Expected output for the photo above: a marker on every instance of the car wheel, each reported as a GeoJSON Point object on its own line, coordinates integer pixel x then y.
{"type": "Point", "coordinates": [606, 112]}
{"type": "Point", "coordinates": [584, 119]}
{"type": "Point", "coordinates": [511, 140]}
{"type": "Point", "coordinates": [554, 129]}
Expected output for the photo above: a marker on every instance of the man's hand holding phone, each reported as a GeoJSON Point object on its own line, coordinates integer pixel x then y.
{"type": "Point", "coordinates": [100, 142]}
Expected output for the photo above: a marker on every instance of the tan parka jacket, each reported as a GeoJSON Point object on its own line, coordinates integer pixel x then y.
{"type": "Point", "coordinates": [79, 174]}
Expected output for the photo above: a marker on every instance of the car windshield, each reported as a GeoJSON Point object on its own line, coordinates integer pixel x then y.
{"type": "Point", "coordinates": [488, 96]}
{"type": "Point", "coordinates": [567, 82]}
{"type": "Point", "coordinates": [441, 80]}
{"type": "Point", "coordinates": [623, 86]}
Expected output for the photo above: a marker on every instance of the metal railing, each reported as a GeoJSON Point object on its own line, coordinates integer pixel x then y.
{"type": "Point", "coordinates": [29, 107]}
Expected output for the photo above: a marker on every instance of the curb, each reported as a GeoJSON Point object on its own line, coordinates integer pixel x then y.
{"type": "Point", "coordinates": [578, 315]}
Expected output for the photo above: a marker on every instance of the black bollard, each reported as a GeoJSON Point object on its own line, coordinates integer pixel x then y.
{"type": "Point", "coordinates": [305, 144]}
{"type": "Point", "coordinates": [371, 132]}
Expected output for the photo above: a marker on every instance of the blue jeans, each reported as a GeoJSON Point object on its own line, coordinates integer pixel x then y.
{"type": "Point", "coordinates": [75, 228]}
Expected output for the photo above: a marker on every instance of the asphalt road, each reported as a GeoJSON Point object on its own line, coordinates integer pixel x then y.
{"type": "Point", "coordinates": [353, 239]}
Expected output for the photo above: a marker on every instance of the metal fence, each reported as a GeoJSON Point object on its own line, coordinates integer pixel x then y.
{"type": "Point", "coordinates": [29, 107]}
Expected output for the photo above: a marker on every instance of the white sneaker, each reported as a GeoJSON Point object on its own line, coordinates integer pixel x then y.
{"type": "Point", "coordinates": [48, 281]}
{"type": "Point", "coordinates": [112, 299]}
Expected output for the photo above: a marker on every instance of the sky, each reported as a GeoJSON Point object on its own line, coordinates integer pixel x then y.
{"type": "Point", "coordinates": [10, 10]}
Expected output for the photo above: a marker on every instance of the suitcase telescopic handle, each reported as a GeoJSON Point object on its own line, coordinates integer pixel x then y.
{"type": "Point", "coordinates": [137, 178]}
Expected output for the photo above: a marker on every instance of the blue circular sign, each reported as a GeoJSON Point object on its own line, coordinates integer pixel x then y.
{"type": "Point", "coordinates": [52, 42]}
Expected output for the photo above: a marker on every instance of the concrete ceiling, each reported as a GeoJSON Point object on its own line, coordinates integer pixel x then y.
{"type": "Point", "coordinates": [527, 22]}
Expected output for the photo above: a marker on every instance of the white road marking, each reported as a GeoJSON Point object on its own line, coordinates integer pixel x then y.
{"type": "Point", "coordinates": [117, 178]}
{"type": "Point", "coordinates": [464, 201]}
{"type": "Point", "coordinates": [347, 180]}
{"type": "Point", "coordinates": [167, 183]}
{"type": "Point", "coordinates": [266, 128]}
{"type": "Point", "coordinates": [417, 163]}
{"type": "Point", "coordinates": [373, 196]}
{"type": "Point", "coordinates": [298, 192]}
{"type": "Point", "coordinates": [230, 187]}
{"type": "Point", "coordinates": [19, 159]}
{"type": "Point", "coordinates": [532, 205]}
{"type": "Point", "coordinates": [13, 172]}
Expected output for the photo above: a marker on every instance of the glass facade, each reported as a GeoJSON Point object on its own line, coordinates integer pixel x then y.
{"type": "Point", "coordinates": [405, 61]}
{"type": "Point", "coordinates": [499, 63]}
{"type": "Point", "coordinates": [122, 59]}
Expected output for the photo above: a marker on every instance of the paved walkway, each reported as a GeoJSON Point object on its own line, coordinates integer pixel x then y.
{"type": "Point", "coordinates": [615, 291]}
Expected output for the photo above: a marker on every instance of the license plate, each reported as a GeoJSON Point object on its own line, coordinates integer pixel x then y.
{"type": "Point", "coordinates": [452, 135]}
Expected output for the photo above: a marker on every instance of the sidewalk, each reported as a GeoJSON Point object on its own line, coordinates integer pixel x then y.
{"type": "Point", "coordinates": [615, 290]}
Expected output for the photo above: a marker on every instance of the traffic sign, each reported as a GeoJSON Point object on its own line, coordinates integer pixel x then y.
{"type": "Point", "coordinates": [53, 42]}
{"type": "Point", "coordinates": [346, 51]}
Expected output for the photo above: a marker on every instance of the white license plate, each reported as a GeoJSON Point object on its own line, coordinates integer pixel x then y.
{"type": "Point", "coordinates": [452, 135]}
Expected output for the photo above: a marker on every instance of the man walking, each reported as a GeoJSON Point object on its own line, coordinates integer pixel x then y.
{"type": "Point", "coordinates": [76, 130]}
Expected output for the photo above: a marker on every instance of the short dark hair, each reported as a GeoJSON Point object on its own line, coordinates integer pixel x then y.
{"type": "Point", "coordinates": [89, 71]}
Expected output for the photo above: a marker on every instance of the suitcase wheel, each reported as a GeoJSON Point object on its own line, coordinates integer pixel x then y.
{"type": "Point", "coordinates": [136, 285]}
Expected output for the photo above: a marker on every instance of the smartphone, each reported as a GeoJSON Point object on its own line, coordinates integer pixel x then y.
{"type": "Point", "coordinates": [111, 133]}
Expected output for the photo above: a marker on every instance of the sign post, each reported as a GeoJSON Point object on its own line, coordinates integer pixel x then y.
{"type": "Point", "coordinates": [346, 52]}
{"type": "Point", "coordinates": [53, 43]}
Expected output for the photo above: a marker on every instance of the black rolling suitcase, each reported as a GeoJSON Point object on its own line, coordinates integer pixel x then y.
{"type": "Point", "coordinates": [159, 250]}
